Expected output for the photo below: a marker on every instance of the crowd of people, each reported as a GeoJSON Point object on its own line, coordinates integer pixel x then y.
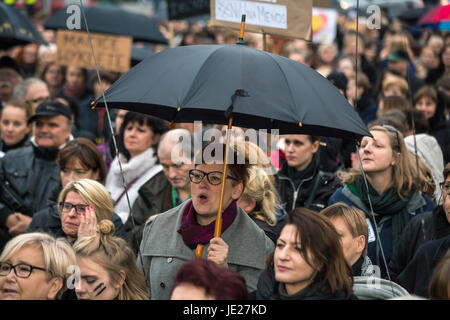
{"type": "Point", "coordinates": [314, 218]}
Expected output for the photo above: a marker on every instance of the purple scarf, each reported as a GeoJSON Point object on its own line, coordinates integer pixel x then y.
{"type": "Point", "coordinates": [193, 233]}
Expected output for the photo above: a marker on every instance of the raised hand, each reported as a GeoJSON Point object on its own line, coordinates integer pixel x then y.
{"type": "Point", "coordinates": [88, 223]}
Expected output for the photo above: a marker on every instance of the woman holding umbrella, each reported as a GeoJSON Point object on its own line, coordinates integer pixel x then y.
{"type": "Point", "coordinates": [171, 238]}
{"type": "Point", "coordinates": [395, 194]}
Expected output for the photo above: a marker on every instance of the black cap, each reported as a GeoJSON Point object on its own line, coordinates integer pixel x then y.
{"type": "Point", "coordinates": [51, 109]}
{"type": "Point", "coordinates": [339, 79]}
{"type": "Point", "coordinates": [8, 62]}
{"type": "Point", "coordinates": [398, 56]}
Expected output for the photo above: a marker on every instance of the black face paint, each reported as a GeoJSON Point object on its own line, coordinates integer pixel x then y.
{"type": "Point", "coordinates": [98, 287]}
{"type": "Point", "coordinates": [100, 292]}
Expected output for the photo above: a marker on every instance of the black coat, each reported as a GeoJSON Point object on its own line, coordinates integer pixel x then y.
{"type": "Point", "coordinates": [32, 174]}
{"type": "Point", "coordinates": [417, 275]}
{"type": "Point", "coordinates": [328, 184]}
{"type": "Point", "coordinates": [435, 227]}
{"type": "Point", "coordinates": [270, 289]}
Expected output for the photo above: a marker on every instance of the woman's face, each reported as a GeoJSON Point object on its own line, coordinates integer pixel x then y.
{"type": "Point", "coordinates": [446, 57]}
{"type": "Point", "coordinates": [205, 196]}
{"type": "Point", "coordinates": [75, 170]}
{"type": "Point", "coordinates": [74, 77]}
{"type": "Point", "coordinates": [13, 125]}
{"type": "Point", "coordinates": [53, 76]}
{"type": "Point", "coordinates": [290, 266]}
{"type": "Point", "coordinates": [70, 219]}
{"type": "Point", "coordinates": [30, 54]}
{"type": "Point", "coordinates": [352, 246]}
{"type": "Point", "coordinates": [36, 286]}
{"type": "Point", "coordinates": [95, 282]}
{"type": "Point", "coordinates": [376, 153]}
{"type": "Point", "coordinates": [427, 106]}
{"type": "Point", "coordinates": [392, 90]}
{"type": "Point", "coordinates": [138, 138]}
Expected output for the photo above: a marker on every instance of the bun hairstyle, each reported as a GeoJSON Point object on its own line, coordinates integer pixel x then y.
{"type": "Point", "coordinates": [114, 254]}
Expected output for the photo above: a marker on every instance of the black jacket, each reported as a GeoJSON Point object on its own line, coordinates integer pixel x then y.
{"type": "Point", "coordinates": [435, 227]}
{"type": "Point", "coordinates": [48, 220]}
{"type": "Point", "coordinates": [32, 175]}
{"type": "Point", "coordinates": [417, 275]}
{"type": "Point", "coordinates": [328, 183]}
{"type": "Point", "coordinates": [270, 289]}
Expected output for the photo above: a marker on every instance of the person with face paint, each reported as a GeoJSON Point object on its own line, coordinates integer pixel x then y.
{"type": "Point", "coordinates": [108, 269]}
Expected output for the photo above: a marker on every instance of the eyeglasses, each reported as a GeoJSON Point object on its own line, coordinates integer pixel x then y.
{"type": "Point", "coordinates": [39, 100]}
{"type": "Point", "coordinates": [22, 270]}
{"type": "Point", "coordinates": [214, 177]}
{"type": "Point", "coordinates": [66, 207]}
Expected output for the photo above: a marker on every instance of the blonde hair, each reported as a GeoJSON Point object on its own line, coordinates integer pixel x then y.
{"type": "Point", "coordinates": [353, 217]}
{"type": "Point", "coordinates": [404, 171]}
{"type": "Point", "coordinates": [58, 255]}
{"type": "Point", "coordinates": [114, 254]}
{"type": "Point", "coordinates": [391, 80]}
{"type": "Point", "coordinates": [92, 192]}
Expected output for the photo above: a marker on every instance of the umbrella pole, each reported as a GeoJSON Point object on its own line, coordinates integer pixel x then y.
{"type": "Point", "coordinates": [218, 225]}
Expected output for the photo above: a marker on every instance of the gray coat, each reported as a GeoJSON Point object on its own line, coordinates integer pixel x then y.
{"type": "Point", "coordinates": [163, 251]}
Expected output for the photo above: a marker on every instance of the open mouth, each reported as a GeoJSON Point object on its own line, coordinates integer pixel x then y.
{"type": "Point", "coordinates": [9, 291]}
{"type": "Point", "coordinates": [203, 198]}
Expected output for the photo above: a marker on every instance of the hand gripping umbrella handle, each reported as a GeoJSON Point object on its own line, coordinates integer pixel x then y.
{"type": "Point", "coordinates": [218, 225]}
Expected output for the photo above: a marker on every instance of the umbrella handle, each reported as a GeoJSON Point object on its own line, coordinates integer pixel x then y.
{"type": "Point", "coordinates": [199, 251]}
{"type": "Point", "coordinates": [241, 32]}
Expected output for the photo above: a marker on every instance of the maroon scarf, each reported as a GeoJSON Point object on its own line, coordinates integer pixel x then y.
{"type": "Point", "coordinates": [193, 233]}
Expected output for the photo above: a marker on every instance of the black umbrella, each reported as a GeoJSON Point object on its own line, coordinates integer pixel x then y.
{"type": "Point", "coordinates": [110, 19]}
{"type": "Point", "coordinates": [16, 29]}
{"type": "Point", "coordinates": [262, 90]}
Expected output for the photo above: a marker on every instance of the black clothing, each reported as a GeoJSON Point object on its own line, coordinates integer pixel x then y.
{"type": "Point", "coordinates": [417, 275]}
{"type": "Point", "coordinates": [32, 174]}
{"type": "Point", "coordinates": [414, 235]}
{"type": "Point", "coordinates": [292, 197]}
{"type": "Point", "coordinates": [270, 289]}
{"type": "Point", "coordinates": [22, 143]}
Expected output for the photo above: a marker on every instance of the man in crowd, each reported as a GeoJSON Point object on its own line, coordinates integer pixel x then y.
{"type": "Point", "coordinates": [10, 77]}
{"type": "Point", "coordinates": [29, 174]}
{"type": "Point", "coordinates": [34, 91]}
{"type": "Point", "coordinates": [168, 188]}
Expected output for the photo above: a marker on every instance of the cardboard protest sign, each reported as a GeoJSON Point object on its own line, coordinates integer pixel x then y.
{"type": "Point", "coordinates": [111, 52]}
{"type": "Point", "coordinates": [286, 18]}
{"type": "Point", "coordinates": [324, 25]}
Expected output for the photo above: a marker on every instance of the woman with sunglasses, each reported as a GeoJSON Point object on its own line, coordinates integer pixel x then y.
{"type": "Point", "coordinates": [172, 238]}
{"type": "Point", "coordinates": [34, 266]}
{"type": "Point", "coordinates": [395, 190]}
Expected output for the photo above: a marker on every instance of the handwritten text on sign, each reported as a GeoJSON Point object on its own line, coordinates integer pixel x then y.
{"type": "Point", "coordinates": [260, 14]}
{"type": "Point", "coordinates": [111, 52]}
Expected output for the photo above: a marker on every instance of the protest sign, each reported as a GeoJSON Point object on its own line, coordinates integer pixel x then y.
{"type": "Point", "coordinates": [182, 9]}
{"type": "Point", "coordinates": [111, 52]}
{"type": "Point", "coordinates": [287, 18]}
{"type": "Point", "coordinates": [324, 25]}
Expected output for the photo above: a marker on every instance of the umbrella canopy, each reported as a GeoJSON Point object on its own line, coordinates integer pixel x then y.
{"type": "Point", "coordinates": [263, 90]}
{"type": "Point", "coordinates": [436, 15]}
{"type": "Point", "coordinates": [16, 29]}
{"type": "Point", "coordinates": [110, 19]}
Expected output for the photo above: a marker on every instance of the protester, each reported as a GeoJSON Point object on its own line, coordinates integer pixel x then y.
{"type": "Point", "coordinates": [394, 188]}
{"type": "Point", "coordinates": [108, 269]}
{"type": "Point", "coordinates": [308, 262]}
{"type": "Point", "coordinates": [34, 266]}
{"type": "Point", "coordinates": [30, 173]}
{"type": "Point", "coordinates": [168, 188]}
{"type": "Point", "coordinates": [440, 281]}
{"type": "Point", "coordinates": [10, 77]}
{"type": "Point", "coordinates": [140, 135]}
{"type": "Point", "coordinates": [351, 225]}
{"type": "Point", "coordinates": [202, 279]}
{"type": "Point", "coordinates": [14, 127]}
{"type": "Point", "coordinates": [53, 75]}
{"type": "Point", "coordinates": [300, 183]}
{"type": "Point", "coordinates": [426, 227]}
{"type": "Point", "coordinates": [172, 238]}
{"type": "Point", "coordinates": [79, 159]}
{"type": "Point", "coordinates": [34, 91]}
{"type": "Point", "coordinates": [360, 96]}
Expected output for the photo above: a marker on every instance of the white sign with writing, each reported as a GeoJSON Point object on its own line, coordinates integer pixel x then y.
{"type": "Point", "coordinates": [259, 14]}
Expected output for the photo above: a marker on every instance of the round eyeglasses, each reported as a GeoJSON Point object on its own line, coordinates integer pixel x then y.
{"type": "Point", "coordinates": [214, 177]}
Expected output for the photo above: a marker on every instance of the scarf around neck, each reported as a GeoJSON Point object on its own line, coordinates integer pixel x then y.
{"type": "Point", "coordinates": [194, 234]}
{"type": "Point", "coordinates": [387, 204]}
